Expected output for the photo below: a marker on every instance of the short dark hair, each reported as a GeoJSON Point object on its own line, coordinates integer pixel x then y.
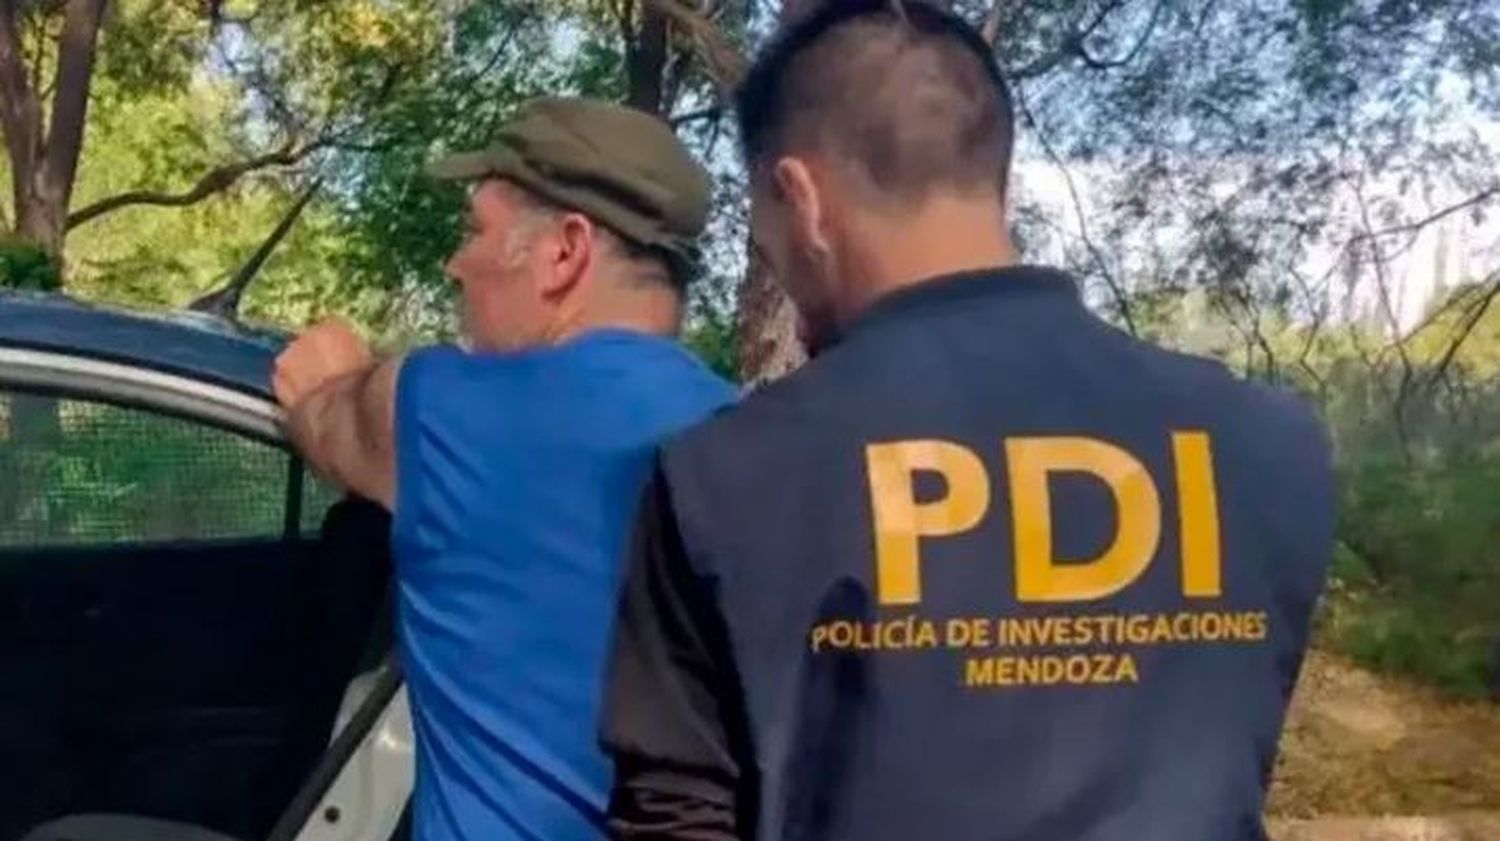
{"type": "Point", "coordinates": [905, 93]}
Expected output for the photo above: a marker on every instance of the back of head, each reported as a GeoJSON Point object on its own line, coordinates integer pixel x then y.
{"type": "Point", "coordinates": [905, 97]}
{"type": "Point", "coordinates": [878, 136]}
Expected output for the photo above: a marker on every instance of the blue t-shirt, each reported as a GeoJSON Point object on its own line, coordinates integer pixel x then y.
{"type": "Point", "coordinates": [518, 477]}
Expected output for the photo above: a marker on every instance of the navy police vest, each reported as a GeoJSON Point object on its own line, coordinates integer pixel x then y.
{"type": "Point", "coordinates": [991, 569]}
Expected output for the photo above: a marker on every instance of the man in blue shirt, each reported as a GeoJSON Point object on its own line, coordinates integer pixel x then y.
{"type": "Point", "coordinates": [513, 468]}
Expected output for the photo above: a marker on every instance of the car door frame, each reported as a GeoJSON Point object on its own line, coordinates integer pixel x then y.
{"type": "Point", "coordinates": [360, 788]}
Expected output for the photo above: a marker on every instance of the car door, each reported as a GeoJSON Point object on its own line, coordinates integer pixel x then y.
{"type": "Point", "coordinates": [181, 607]}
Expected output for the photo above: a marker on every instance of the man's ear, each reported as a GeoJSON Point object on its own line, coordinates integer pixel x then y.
{"type": "Point", "coordinates": [569, 261]}
{"type": "Point", "coordinates": [799, 190]}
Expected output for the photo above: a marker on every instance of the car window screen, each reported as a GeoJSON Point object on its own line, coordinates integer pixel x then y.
{"type": "Point", "coordinates": [82, 472]}
{"type": "Point", "coordinates": [317, 497]}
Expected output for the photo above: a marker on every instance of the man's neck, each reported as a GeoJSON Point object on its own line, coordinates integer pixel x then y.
{"type": "Point", "coordinates": [947, 236]}
{"type": "Point", "coordinates": [653, 313]}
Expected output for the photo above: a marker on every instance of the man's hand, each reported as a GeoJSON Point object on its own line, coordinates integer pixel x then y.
{"type": "Point", "coordinates": [340, 405]}
{"type": "Point", "coordinates": [328, 351]}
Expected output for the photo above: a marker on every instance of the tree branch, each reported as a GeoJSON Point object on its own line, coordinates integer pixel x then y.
{"type": "Point", "coordinates": [673, 75]}
{"type": "Point", "coordinates": [470, 81]}
{"type": "Point", "coordinates": [1431, 319]}
{"type": "Point", "coordinates": [1472, 201]}
{"type": "Point", "coordinates": [1140, 43]}
{"type": "Point", "coordinates": [1320, 315]}
{"type": "Point", "coordinates": [214, 181]}
{"type": "Point", "coordinates": [1203, 16]}
{"type": "Point", "coordinates": [1100, 16]}
{"type": "Point", "coordinates": [1252, 306]}
{"type": "Point", "coordinates": [712, 112]}
{"type": "Point", "coordinates": [1377, 260]}
{"type": "Point", "coordinates": [258, 80]}
{"type": "Point", "coordinates": [1472, 317]}
{"type": "Point", "coordinates": [1404, 387]}
{"type": "Point", "coordinates": [1041, 65]}
{"type": "Point", "coordinates": [724, 63]}
{"type": "Point", "coordinates": [1073, 44]}
{"type": "Point", "coordinates": [1122, 302]}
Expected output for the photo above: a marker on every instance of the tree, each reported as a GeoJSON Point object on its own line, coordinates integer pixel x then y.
{"type": "Point", "coordinates": [1240, 128]}
{"type": "Point", "coordinates": [312, 78]}
{"type": "Point", "coordinates": [401, 226]}
{"type": "Point", "coordinates": [154, 257]}
{"type": "Point", "coordinates": [43, 149]}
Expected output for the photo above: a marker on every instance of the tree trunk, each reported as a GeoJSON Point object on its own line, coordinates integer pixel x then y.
{"type": "Point", "coordinates": [21, 118]}
{"type": "Point", "coordinates": [769, 343]}
{"type": "Point", "coordinates": [767, 324]}
{"type": "Point", "coordinates": [44, 159]}
{"type": "Point", "coordinates": [76, 48]}
{"type": "Point", "coordinates": [39, 221]}
{"type": "Point", "coordinates": [646, 59]}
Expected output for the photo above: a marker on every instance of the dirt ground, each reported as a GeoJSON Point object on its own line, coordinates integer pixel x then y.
{"type": "Point", "coordinates": [1452, 828]}
{"type": "Point", "coordinates": [1361, 745]}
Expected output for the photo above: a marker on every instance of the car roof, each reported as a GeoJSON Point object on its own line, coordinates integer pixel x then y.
{"type": "Point", "coordinates": [191, 344]}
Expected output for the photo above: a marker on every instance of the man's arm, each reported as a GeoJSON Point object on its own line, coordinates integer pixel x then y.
{"type": "Point", "coordinates": [672, 719]}
{"type": "Point", "coordinates": [345, 429]}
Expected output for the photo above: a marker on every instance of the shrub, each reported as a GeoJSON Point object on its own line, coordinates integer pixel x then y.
{"type": "Point", "coordinates": [23, 265]}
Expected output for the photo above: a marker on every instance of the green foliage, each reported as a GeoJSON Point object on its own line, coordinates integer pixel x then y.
{"type": "Point", "coordinates": [25, 266]}
{"type": "Point", "coordinates": [1399, 632]}
{"type": "Point", "coordinates": [1478, 357]}
{"type": "Point", "coordinates": [383, 86]}
{"type": "Point", "coordinates": [150, 47]}
{"type": "Point", "coordinates": [165, 257]}
{"type": "Point", "coordinates": [1237, 146]}
{"type": "Point", "coordinates": [1416, 584]}
{"type": "Point", "coordinates": [714, 337]}
{"type": "Point", "coordinates": [399, 225]}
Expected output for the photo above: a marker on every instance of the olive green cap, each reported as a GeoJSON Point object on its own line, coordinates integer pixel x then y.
{"type": "Point", "coordinates": [622, 167]}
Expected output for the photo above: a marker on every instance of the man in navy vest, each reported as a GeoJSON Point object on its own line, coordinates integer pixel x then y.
{"type": "Point", "coordinates": [513, 468]}
{"type": "Point", "coordinates": [987, 567]}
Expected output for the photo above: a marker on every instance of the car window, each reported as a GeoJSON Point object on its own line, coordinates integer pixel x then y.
{"type": "Point", "coordinates": [86, 472]}
{"type": "Point", "coordinates": [317, 497]}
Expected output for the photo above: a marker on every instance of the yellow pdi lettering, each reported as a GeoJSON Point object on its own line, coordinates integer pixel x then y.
{"type": "Point", "coordinates": [1198, 515]}
{"type": "Point", "coordinates": [1039, 577]}
{"type": "Point", "coordinates": [901, 522]}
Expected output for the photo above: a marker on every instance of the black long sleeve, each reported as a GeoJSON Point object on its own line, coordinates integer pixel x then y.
{"type": "Point", "coordinates": [668, 707]}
